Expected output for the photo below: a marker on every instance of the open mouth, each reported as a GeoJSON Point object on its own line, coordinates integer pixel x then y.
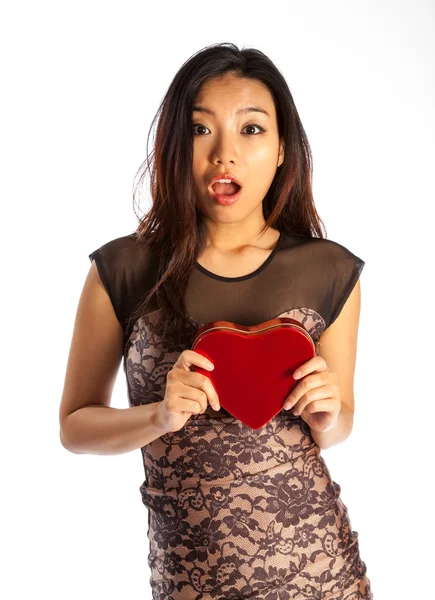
{"type": "Point", "coordinates": [226, 189]}
{"type": "Point", "coordinates": [226, 193]}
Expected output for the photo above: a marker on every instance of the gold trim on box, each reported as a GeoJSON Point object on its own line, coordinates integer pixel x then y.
{"type": "Point", "coordinates": [232, 329]}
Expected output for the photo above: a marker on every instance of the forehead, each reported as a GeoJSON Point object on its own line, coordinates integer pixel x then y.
{"type": "Point", "coordinates": [235, 94]}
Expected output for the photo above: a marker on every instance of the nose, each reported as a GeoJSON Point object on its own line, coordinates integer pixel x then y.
{"type": "Point", "coordinates": [225, 150]}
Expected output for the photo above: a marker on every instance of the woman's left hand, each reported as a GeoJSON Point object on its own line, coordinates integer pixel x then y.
{"type": "Point", "coordinates": [316, 398]}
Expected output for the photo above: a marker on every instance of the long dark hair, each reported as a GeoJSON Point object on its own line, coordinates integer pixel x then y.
{"type": "Point", "coordinates": [174, 230]}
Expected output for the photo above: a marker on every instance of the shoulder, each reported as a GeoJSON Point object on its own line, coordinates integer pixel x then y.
{"type": "Point", "coordinates": [124, 254]}
{"type": "Point", "coordinates": [321, 250]}
{"type": "Point", "coordinates": [126, 270]}
{"type": "Point", "coordinates": [120, 247]}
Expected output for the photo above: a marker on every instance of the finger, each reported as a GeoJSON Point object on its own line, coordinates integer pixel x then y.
{"type": "Point", "coordinates": [191, 406]}
{"type": "Point", "coordinates": [317, 363]}
{"type": "Point", "coordinates": [308, 383]}
{"type": "Point", "coordinates": [202, 382]}
{"type": "Point", "coordinates": [199, 397]}
{"type": "Point", "coordinates": [320, 393]}
{"type": "Point", "coordinates": [324, 405]}
{"type": "Point", "coordinates": [211, 393]}
{"type": "Point", "coordinates": [189, 358]}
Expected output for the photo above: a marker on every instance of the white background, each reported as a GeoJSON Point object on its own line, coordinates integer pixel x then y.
{"type": "Point", "coordinates": [81, 83]}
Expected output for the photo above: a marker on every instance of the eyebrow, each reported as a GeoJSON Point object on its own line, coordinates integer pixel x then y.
{"type": "Point", "coordinates": [238, 112]}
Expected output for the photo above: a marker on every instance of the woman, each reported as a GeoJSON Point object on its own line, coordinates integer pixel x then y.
{"type": "Point", "coordinates": [232, 512]}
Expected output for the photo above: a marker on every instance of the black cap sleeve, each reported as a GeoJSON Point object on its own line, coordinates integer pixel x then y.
{"type": "Point", "coordinates": [127, 272]}
{"type": "Point", "coordinates": [348, 268]}
{"type": "Point", "coordinates": [123, 270]}
{"type": "Point", "coordinates": [108, 278]}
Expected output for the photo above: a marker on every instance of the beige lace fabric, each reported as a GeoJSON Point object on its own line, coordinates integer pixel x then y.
{"type": "Point", "coordinates": [233, 512]}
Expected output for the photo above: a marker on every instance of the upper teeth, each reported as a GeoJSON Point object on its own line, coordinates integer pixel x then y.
{"type": "Point", "coordinates": [224, 181]}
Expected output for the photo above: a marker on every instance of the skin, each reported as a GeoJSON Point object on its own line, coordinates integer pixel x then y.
{"type": "Point", "coordinates": [98, 334]}
{"type": "Point", "coordinates": [226, 142]}
{"type": "Point", "coordinates": [324, 396]}
{"type": "Point", "coordinates": [318, 399]}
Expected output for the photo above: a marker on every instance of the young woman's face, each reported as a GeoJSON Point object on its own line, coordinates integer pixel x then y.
{"type": "Point", "coordinates": [245, 145]}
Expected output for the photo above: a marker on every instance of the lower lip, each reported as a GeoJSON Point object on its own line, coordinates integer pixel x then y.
{"type": "Point", "coordinates": [224, 199]}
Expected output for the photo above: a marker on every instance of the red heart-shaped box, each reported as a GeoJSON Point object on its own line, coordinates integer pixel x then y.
{"type": "Point", "coordinates": [254, 365]}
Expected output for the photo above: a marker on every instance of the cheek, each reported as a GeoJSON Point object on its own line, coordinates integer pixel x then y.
{"type": "Point", "coordinates": [262, 159]}
{"type": "Point", "coordinates": [199, 172]}
{"type": "Point", "coordinates": [197, 176]}
{"type": "Point", "coordinates": [264, 153]}
{"type": "Point", "coordinates": [262, 169]}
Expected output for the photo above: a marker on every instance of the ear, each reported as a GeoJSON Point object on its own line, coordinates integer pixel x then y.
{"type": "Point", "coordinates": [281, 153]}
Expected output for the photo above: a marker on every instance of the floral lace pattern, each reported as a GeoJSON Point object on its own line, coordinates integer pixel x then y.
{"type": "Point", "coordinates": [237, 513]}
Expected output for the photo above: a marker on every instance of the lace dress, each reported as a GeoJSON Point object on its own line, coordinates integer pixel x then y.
{"type": "Point", "coordinates": [235, 512]}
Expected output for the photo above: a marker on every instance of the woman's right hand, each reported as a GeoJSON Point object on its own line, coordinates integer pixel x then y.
{"type": "Point", "coordinates": [187, 392]}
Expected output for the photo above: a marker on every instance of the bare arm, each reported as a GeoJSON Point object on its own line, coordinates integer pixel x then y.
{"type": "Point", "coordinates": [339, 433]}
{"type": "Point", "coordinates": [107, 430]}
{"type": "Point", "coordinates": [338, 348]}
{"type": "Point", "coordinates": [88, 424]}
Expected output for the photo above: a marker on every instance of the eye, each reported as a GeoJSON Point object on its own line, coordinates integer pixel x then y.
{"type": "Point", "coordinates": [250, 125]}
{"type": "Point", "coordinates": [254, 125]}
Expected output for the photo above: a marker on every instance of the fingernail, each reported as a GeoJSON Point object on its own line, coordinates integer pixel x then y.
{"type": "Point", "coordinates": [297, 374]}
{"type": "Point", "coordinates": [217, 407]}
